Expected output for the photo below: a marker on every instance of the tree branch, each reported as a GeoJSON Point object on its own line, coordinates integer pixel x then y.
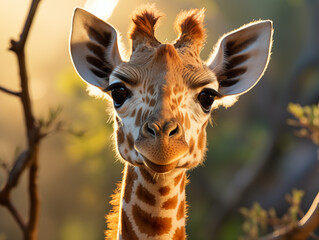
{"type": "Point", "coordinates": [304, 227]}
{"type": "Point", "coordinates": [20, 164]}
{"type": "Point", "coordinates": [18, 48]}
{"type": "Point", "coordinates": [28, 158]}
{"type": "Point", "coordinates": [34, 198]}
{"type": "Point", "coordinates": [18, 94]}
{"type": "Point", "coordinates": [16, 215]}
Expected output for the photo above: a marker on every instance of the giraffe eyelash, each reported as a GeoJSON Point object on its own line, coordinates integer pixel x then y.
{"type": "Point", "coordinates": [213, 92]}
{"type": "Point", "coordinates": [113, 86]}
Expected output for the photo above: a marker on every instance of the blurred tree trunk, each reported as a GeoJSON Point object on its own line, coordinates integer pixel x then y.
{"type": "Point", "coordinates": [246, 178]}
{"type": "Point", "coordinates": [28, 159]}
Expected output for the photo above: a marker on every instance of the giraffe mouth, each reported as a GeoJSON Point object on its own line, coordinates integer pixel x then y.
{"type": "Point", "coordinates": [160, 168]}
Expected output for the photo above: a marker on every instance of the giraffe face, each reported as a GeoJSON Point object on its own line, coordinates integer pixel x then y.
{"type": "Point", "coordinates": [163, 102]}
{"type": "Point", "coordinates": [164, 94]}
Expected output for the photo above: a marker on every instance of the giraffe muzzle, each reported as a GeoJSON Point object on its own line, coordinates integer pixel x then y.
{"type": "Point", "coordinates": [162, 144]}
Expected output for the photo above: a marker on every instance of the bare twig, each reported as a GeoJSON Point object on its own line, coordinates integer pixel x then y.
{"type": "Point", "coordinates": [18, 47]}
{"type": "Point", "coordinates": [34, 199]}
{"type": "Point", "coordinates": [18, 94]}
{"type": "Point", "coordinates": [304, 227]}
{"type": "Point", "coordinates": [16, 214]}
{"type": "Point", "coordinates": [20, 164]}
{"type": "Point", "coordinates": [28, 158]}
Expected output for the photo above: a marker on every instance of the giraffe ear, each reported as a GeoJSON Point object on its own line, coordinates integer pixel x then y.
{"type": "Point", "coordinates": [93, 47]}
{"type": "Point", "coordinates": [241, 57]}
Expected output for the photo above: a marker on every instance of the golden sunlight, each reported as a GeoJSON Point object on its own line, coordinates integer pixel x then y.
{"type": "Point", "coordinates": [101, 8]}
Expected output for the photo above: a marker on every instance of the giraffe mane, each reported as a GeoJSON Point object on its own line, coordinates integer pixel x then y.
{"type": "Point", "coordinates": [144, 23]}
{"type": "Point", "coordinates": [190, 28]}
{"type": "Point", "coordinates": [112, 218]}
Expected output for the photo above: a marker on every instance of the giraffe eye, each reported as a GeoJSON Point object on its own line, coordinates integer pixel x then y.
{"type": "Point", "coordinates": [119, 94]}
{"type": "Point", "coordinates": [206, 99]}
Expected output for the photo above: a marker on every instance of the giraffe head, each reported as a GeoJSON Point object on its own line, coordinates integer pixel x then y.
{"type": "Point", "coordinates": [164, 94]}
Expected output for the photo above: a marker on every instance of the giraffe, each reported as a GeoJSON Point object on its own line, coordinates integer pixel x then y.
{"type": "Point", "coordinates": [163, 96]}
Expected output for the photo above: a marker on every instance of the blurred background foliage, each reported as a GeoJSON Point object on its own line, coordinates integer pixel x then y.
{"type": "Point", "coordinates": [253, 154]}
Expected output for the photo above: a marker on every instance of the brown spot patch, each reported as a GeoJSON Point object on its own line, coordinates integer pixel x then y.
{"type": "Point", "coordinates": [181, 210]}
{"type": "Point", "coordinates": [129, 159]}
{"type": "Point", "coordinates": [145, 115]}
{"type": "Point", "coordinates": [187, 122]}
{"type": "Point", "coordinates": [131, 176]}
{"type": "Point", "coordinates": [202, 138]}
{"type": "Point", "coordinates": [147, 99]}
{"type": "Point", "coordinates": [118, 120]}
{"type": "Point", "coordinates": [175, 90]}
{"type": "Point", "coordinates": [120, 136]}
{"type": "Point", "coordinates": [180, 117]}
{"type": "Point", "coordinates": [179, 234]}
{"type": "Point", "coordinates": [151, 89]}
{"type": "Point", "coordinates": [174, 103]}
{"type": "Point", "coordinates": [130, 141]}
{"type": "Point", "coordinates": [152, 103]}
{"type": "Point", "coordinates": [182, 186]}
{"type": "Point", "coordinates": [178, 178]}
{"type": "Point", "coordinates": [127, 228]}
{"type": "Point", "coordinates": [147, 176]}
{"type": "Point", "coordinates": [191, 145]}
{"type": "Point", "coordinates": [144, 195]}
{"type": "Point", "coordinates": [150, 225]}
{"type": "Point", "coordinates": [170, 203]}
{"type": "Point", "coordinates": [168, 53]}
{"type": "Point", "coordinates": [164, 190]}
{"type": "Point", "coordinates": [138, 117]}
{"type": "Point", "coordinates": [133, 113]}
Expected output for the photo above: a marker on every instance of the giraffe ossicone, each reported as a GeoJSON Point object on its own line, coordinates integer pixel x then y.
{"type": "Point", "coordinates": [163, 96]}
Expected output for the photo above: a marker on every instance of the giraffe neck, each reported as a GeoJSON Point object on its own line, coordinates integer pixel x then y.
{"type": "Point", "coordinates": [152, 207]}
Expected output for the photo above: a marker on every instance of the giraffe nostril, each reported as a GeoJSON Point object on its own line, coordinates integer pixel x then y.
{"type": "Point", "coordinates": [154, 130]}
{"type": "Point", "coordinates": [150, 131]}
{"type": "Point", "coordinates": [173, 129]}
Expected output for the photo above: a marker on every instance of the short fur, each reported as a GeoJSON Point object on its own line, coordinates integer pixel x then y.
{"type": "Point", "coordinates": [112, 218]}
